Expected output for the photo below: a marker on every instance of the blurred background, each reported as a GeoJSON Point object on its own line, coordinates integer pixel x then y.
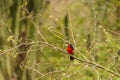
{"type": "Point", "coordinates": [32, 31]}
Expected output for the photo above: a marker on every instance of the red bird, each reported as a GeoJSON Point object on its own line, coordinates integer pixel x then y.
{"type": "Point", "coordinates": [70, 50]}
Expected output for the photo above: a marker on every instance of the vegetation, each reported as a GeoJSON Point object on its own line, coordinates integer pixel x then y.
{"type": "Point", "coordinates": [34, 35]}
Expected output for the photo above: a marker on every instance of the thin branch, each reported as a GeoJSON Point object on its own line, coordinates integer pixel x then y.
{"type": "Point", "coordinates": [86, 66]}
{"type": "Point", "coordinates": [10, 31]}
{"type": "Point", "coordinates": [97, 72]}
{"type": "Point", "coordinates": [65, 52]}
{"type": "Point", "coordinates": [71, 30]}
{"type": "Point", "coordinates": [81, 60]}
{"type": "Point", "coordinates": [56, 35]}
{"type": "Point", "coordinates": [36, 71]}
{"type": "Point", "coordinates": [53, 72]}
{"type": "Point", "coordinates": [16, 47]}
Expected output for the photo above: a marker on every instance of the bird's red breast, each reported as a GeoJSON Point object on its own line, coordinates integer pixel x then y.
{"type": "Point", "coordinates": [70, 49]}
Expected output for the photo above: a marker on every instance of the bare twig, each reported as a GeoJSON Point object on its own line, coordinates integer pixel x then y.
{"type": "Point", "coordinates": [86, 66]}
{"type": "Point", "coordinates": [53, 72]}
{"type": "Point", "coordinates": [36, 71]}
{"type": "Point", "coordinates": [10, 31]}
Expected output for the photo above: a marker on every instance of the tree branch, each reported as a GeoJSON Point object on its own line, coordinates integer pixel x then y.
{"type": "Point", "coordinates": [65, 52]}
{"type": "Point", "coordinates": [84, 61]}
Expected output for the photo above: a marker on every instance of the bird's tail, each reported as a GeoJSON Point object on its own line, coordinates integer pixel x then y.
{"type": "Point", "coordinates": [71, 58]}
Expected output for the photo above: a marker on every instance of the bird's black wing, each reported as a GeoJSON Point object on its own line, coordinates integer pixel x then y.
{"type": "Point", "coordinates": [71, 46]}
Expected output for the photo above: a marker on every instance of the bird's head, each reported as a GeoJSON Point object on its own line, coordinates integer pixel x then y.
{"type": "Point", "coordinates": [70, 46]}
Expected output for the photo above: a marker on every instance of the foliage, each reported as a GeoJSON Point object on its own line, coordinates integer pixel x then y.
{"type": "Point", "coordinates": [34, 35]}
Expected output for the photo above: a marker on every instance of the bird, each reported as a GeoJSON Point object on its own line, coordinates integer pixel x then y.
{"type": "Point", "coordinates": [70, 51]}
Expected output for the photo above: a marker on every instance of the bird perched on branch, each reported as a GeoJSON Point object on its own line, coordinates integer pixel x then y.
{"type": "Point", "coordinates": [70, 50]}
